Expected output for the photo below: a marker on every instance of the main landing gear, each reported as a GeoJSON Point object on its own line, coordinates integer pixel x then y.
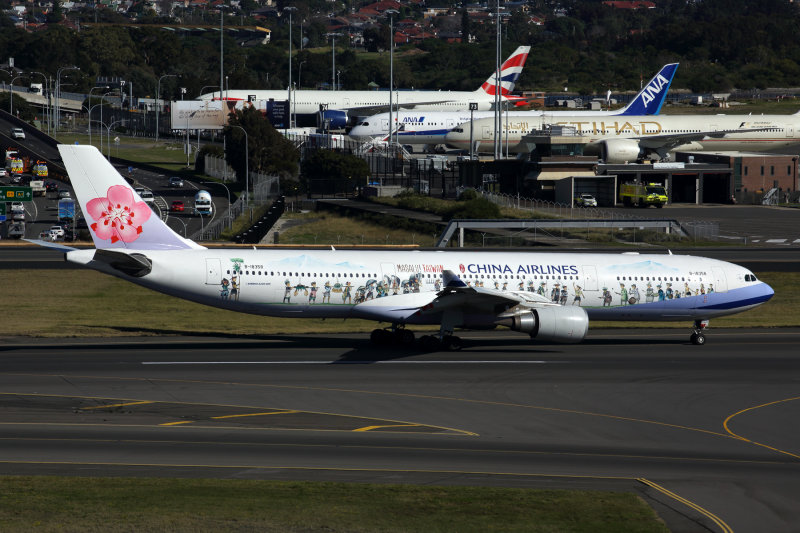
{"type": "Point", "coordinates": [431, 343]}
{"type": "Point", "coordinates": [396, 335]}
{"type": "Point", "coordinates": [697, 337]}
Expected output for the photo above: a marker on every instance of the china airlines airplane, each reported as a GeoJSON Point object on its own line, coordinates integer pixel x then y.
{"type": "Point", "coordinates": [624, 139]}
{"type": "Point", "coordinates": [430, 128]}
{"type": "Point", "coordinates": [549, 296]}
{"type": "Point", "coordinates": [340, 103]}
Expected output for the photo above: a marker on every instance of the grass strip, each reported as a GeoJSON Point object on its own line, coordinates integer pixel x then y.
{"type": "Point", "coordinates": [86, 303]}
{"type": "Point", "coordinates": [48, 504]}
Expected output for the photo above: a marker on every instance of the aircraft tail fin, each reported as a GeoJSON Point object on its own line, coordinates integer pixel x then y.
{"type": "Point", "coordinates": [117, 217]}
{"type": "Point", "coordinates": [652, 96]}
{"type": "Point", "coordinates": [509, 73]}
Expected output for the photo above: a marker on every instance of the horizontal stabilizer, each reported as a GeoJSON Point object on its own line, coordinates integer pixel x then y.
{"type": "Point", "coordinates": [451, 280]}
{"type": "Point", "coordinates": [136, 265]}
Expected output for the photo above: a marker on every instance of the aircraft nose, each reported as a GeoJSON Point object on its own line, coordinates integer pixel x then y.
{"type": "Point", "coordinates": [767, 292]}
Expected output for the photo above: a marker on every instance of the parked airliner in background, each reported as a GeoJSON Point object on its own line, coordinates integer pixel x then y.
{"type": "Point", "coordinates": [624, 139]}
{"type": "Point", "coordinates": [341, 103]}
{"type": "Point", "coordinates": [430, 128]}
{"type": "Point", "coordinates": [550, 296]}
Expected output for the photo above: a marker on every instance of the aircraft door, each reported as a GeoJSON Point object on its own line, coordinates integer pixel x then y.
{"type": "Point", "coordinates": [589, 278]}
{"type": "Point", "coordinates": [450, 124]}
{"type": "Point", "coordinates": [487, 133]}
{"type": "Point", "coordinates": [789, 129]}
{"type": "Point", "coordinates": [720, 280]}
{"type": "Point", "coordinates": [385, 125]}
{"type": "Point", "coordinates": [213, 270]}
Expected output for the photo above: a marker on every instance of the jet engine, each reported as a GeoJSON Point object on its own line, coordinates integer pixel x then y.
{"type": "Point", "coordinates": [617, 151]}
{"type": "Point", "coordinates": [338, 119]}
{"type": "Point", "coordinates": [565, 324]}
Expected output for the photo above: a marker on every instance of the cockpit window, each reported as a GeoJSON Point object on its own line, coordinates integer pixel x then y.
{"type": "Point", "coordinates": [750, 277]}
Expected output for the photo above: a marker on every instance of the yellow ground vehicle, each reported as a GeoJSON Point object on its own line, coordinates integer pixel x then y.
{"type": "Point", "coordinates": [643, 195]}
{"type": "Point", "coordinates": [40, 169]}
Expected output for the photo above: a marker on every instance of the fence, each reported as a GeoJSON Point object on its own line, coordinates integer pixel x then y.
{"type": "Point", "coordinates": [216, 167]}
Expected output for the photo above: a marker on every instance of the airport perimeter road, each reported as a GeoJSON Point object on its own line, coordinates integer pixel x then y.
{"type": "Point", "coordinates": [707, 434]}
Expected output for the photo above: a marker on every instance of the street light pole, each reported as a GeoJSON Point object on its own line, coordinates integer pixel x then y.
{"type": "Point", "coordinates": [333, 37]}
{"type": "Point", "coordinates": [290, 9]}
{"type": "Point", "coordinates": [44, 88]}
{"type": "Point", "coordinates": [472, 107]}
{"type": "Point", "coordinates": [247, 165]}
{"type": "Point", "coordinates": [158, 98]}
{"type": "Point", "coordinates": [391, 13]}
{"type": "Point", "coordinates": [58, 96]}
{"type": "Point", "coordinates": [90, 114]}
{"type": "Point", "coordinates": [11, 100]}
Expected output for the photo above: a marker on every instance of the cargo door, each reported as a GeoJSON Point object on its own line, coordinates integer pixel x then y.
{"type": "Point", "coordinates": [213, 270]}
{"type": "Point", "coordinates": [789, 129]}
{"type": "Point", "coordinates": [720, 279]}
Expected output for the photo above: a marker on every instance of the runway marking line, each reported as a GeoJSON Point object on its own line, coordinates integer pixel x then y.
{"type": "Point", "coordinates": [400, 423]}
{"type": "Point", "coordinates": [745, 439]}
{"type": "Point", "coordinates": [281, 412]}
{"type": "Point", "coordinates": [177, 423]}
{"type": "Point", "coordinates": [115, 405]}
{"type": "Point", "coordinates": [714, 518]}
{"type": "Point", "coordinates": [370, 428]}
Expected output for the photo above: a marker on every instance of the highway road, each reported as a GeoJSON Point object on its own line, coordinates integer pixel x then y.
{"type": "Point", "coordinates": [706, 434]}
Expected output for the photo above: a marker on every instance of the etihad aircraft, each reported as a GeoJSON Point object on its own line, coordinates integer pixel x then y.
{"type": "Point", "coordinates": [430, 128]}
{"type": "Point", "coordinates": [625, 139]}
{"type": "Point", "coordinates": [549, 296]}
{"type": "Point", "coordinates": [341, 103]}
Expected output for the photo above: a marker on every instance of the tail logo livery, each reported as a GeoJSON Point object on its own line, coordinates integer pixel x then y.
{"type": "Point", "coordinates": [652, 96]}
{"type": "Point", "coordinates": [115, 214]}
{"type": "Point", "coordinates": [119, 216]}
{"type": "Point", "coordinates": [509, 73]}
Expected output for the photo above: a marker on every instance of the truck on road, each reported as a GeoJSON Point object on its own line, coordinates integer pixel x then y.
{"type": "Point", "coordinates": [202, 203]}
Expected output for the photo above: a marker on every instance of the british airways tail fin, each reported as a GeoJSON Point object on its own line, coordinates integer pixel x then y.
{"type": "Point", "coordinates": [509, 73]}
{"type": "Point", "coordinates": [117, 217]}
{"type": "Point", "coordinates": [652, 96]}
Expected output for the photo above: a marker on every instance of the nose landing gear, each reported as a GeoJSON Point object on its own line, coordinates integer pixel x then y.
{"type": "Point", "coordinates": [697, 337]}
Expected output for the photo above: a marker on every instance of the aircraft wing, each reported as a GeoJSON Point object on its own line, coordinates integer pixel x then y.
{"type": "Point", "coordinates": [383, 108]}
{"type": "Point", "coordinates": [456, 295]}
{"type": "Point", "coordinates": [669, 142]}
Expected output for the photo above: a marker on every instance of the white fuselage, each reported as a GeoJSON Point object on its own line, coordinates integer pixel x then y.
{"type": "Point", "coordinates": [778, 131]}
{"type": "Point", "coordinates": [384, 285]}
{"type": "Point", "coordinates": [420, 127]}
{"type": "Point", "coordinates": [306, 102]}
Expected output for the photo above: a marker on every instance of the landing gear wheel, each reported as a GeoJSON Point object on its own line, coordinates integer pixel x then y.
{"type": "Point", "coordinates": [404, 336]}
{"type": "Point", "coordinates": [452, 343]}
{"type": "Point", "coordinates": [429, 343]}
{"type": "Point", "coordinates": [379, 337]}
{"type": "Point", "coordinates": [698, 339]}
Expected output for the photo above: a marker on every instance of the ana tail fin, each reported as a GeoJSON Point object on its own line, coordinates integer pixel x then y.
{"type": "Point", "coordinates": [117, 217]}
{"type": "Point", "coordinates": [652, 96]}
{"type": "Point", "coordinates": [509, 73]}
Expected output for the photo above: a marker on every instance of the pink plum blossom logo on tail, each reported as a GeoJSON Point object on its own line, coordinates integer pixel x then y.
{"type": "Point", "coordinates": [118, 216]}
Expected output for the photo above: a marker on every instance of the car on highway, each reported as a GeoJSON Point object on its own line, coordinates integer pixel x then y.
{"type": "Point", "coordinates": [177, 206]}
{"type": "Point", "coordinates": [17, 133]}
{"type": "Point", "coordinates": [3, 172]}
{"type": "Point", "coordinates": [51, 186]}
{"type": "Point", "coordinates": [585, 200]}
{"type": "Point", "coordinates": [63, 194]}
{"type": "Point", "coordinates": [57, 231]}
{"type": "Point", "coordinates": [147, 196]}
{"type": "Point", "coordinates": [175, 181]}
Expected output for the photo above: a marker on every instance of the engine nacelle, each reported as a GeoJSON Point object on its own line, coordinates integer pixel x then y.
{"type": "Point", "coordinates": [566, 324]}
{"type": "Point", "coordinates": [338, 119]}
{"type": "Point", "coordinates": [617, 151]}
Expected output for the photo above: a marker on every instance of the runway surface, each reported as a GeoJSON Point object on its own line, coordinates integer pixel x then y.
{"type": "Point", "coordinates": [707, 434]}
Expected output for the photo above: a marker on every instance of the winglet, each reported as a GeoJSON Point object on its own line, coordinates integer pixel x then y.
{"type": "Point", "coordinates": [116, 215]}
{"type": "Point", "coordinates": [451, 280]}
{"type": "Point", "coordinates": [652, 96]}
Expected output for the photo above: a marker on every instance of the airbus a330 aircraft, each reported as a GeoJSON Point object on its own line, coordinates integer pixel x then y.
{"type": "Point", "coordinates": [308, 102]}
{"type": "Point", "coordinates": [430, 128]}
{"type": "Point", "coordinates": [549, 296]}
{"type": "Point", "coordinates": [624, 139]}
